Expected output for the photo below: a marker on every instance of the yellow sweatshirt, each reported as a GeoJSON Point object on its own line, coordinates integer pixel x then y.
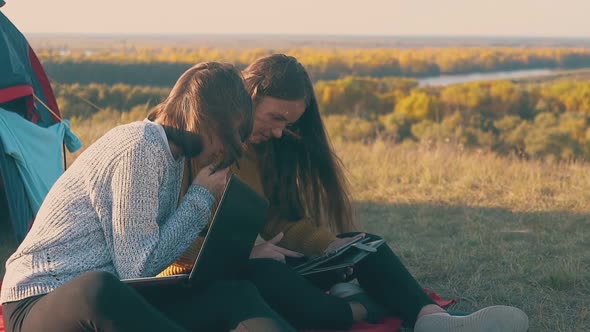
{"type": "Point", "coordinates": [301, 236]}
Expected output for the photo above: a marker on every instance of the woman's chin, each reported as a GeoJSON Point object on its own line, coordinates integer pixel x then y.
{"type": "Point", "coordinates": [203, 162]}
{"type": "Point", "coordinates": [258, 139]}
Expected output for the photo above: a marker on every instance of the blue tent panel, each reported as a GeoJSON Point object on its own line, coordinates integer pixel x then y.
{"type": "Point", "coordinates": [22, 80]}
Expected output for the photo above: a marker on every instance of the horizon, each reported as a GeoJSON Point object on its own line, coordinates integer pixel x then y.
{"type": "Point", "coordinates": [262, 34]}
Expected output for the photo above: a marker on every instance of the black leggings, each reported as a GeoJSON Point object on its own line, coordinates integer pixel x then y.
{"type": "Point", "coordinates": [304, 303]}
{"type": "Point", "coordinates": [98, 301]}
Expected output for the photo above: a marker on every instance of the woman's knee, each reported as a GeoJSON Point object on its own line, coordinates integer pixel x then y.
{"type": "Point", "coordinates": [270, 274]}
{"type": "Point", "coordinates": [262, 266]}
{"type": "Point", "coordinates": [238, 301]}
{"type": "Point", "coordinates": [235, 289]}
{"type": "Point", "coordinates": [96, 291]}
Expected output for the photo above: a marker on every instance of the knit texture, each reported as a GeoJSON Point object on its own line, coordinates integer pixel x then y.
{"type": "Point", "coordinates": [115, 209]}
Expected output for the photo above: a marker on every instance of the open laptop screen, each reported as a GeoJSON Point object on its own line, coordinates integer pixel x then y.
{"type": "Point", "coordinates": [240, 216]}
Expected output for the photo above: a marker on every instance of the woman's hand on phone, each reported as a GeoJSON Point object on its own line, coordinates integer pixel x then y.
{"type": "Point", "coordinates": [342, 241]}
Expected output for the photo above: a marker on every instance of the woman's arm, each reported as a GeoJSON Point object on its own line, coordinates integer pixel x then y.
{"type": "Point", "coordinates": [141, 247]}
{"type": "Point", "coordinates": [301, 236]}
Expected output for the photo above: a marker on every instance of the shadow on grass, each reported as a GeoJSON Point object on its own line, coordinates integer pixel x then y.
{"type": "Point", "coordinates": [537, 261]}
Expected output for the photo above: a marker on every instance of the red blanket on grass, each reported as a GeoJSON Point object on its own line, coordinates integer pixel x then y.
{"type": "Point", "coordinates": [389, 324]}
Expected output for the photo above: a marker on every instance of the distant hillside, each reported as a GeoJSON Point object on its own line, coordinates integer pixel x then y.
{"type": "Point", "coordinates": [138, 64]}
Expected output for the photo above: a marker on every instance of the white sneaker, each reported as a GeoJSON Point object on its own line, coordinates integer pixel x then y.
{"type": "Point", "coordinates": [490, 319]}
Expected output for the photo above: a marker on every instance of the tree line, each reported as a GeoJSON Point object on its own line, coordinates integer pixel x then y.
{"type": "Point", "coordinates": [531, 120]}
{"type": "Point", "coordinates": [161, 66]}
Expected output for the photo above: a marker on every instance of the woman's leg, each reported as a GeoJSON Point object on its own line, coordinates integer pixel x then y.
{"type": "Point", "coordinates": [94, 301]}
{"type": "Point", "coordinates": [387, 281]}
{"type": "Point", "coordinates": [98, 301]}
{"type": "Point", "coordinates": [220, 306]}
{"type": "Point", "coordinates": [291, 295]}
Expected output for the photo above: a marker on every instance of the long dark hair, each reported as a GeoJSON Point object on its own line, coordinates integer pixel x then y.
{"type": "Point", "coordinates": [208, 96]}
{"type": "Point", "coordinates": [301, 175]}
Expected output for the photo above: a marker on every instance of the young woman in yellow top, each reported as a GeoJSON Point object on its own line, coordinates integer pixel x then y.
{"type": "Point", "coordinates": [291, 162]}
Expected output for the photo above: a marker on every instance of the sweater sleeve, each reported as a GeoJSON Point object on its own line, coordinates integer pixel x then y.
{"type": "Point", "coordinates": [140, 246]}
{"type": "Point", "coordinates": [301, 236]}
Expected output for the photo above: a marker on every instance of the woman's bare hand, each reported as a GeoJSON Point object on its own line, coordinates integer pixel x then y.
{"type": "Point", "coordinates": [269, 249]}
{"type": "Point", "coordinates": [214, 182]}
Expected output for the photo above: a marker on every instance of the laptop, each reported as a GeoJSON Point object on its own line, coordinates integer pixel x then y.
{"type": "Point", "coordinates": [239, 217]}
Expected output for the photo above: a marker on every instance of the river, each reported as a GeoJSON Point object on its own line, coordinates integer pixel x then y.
{"type": "Point", "coordinates": [471, 77]}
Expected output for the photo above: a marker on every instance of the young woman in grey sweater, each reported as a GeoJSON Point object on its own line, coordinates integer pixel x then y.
{"type": "Point", "coordinates": [115, 214]}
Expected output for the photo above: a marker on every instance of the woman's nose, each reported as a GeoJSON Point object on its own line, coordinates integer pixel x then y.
{"type": "Point", "coordinates": [277, 132]}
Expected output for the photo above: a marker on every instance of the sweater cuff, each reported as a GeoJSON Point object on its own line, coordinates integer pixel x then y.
{"type": "Point", "coordinates": [184, 263]}
{"type": "Point", "coordinates": [202, 192]}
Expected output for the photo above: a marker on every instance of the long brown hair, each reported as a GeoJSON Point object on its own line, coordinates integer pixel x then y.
{"type": "Point", "coordinates": [208, 98]}
{"type": "Point", "coordinates": [302, 176]}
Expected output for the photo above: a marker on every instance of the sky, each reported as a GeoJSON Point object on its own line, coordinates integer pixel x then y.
{"type": "Point", "coordinates": [543, 18]}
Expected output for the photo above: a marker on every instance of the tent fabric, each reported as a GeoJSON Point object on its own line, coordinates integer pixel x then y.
{"type": "Point", "coordinates": [19, 208]}
{"type": "Point", "coordinates": [15, 92]}
{"type": "Point", "coordinates": [22, 82]}
{"type": "Point", "coordinates": [45, 86]}
{"type": "Point", "coordinates": [37, 152]}
{"type": "Point", "coordinates": [20, 67]}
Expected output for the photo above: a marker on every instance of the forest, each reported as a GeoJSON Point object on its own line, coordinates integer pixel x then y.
{"type": "Point", "coordinates": [137, 65]}
{"type": "Point", "coordinates": [547, 120]}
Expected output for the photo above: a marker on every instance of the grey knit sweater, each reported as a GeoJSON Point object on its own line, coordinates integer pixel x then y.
{"type": "Point", "coordinates": [116, 210]}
